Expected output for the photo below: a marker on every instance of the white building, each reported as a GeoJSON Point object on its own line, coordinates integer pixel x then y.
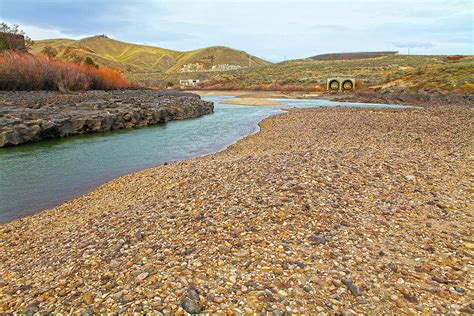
{"type": "Point", "coordinates": [189, 82]}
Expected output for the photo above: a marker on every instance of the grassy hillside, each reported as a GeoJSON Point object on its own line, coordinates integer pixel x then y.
{"type": "Point", "coordinates": [410, 72]}
{"type": "Point", "coordinates": [157, 66]}
{"type": "Point", "coordinates": [140, 58]}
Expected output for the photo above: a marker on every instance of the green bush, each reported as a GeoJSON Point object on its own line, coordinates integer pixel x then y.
{"type": "Point", "coordinates": [88, 61]}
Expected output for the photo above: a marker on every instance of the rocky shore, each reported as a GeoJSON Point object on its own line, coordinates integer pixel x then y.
{"type": "Point", "coordinates": [332, 210]}
{"type": "Point", "coordinates": [429, 98]}
{"type": "Point", "coordinates": [34, 116]}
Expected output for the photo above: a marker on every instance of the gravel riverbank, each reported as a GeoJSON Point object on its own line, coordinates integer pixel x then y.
{"type": "Point", "coordinates": [33, 116]}
{"type": "Point", "coordinates": [324, 210]}
{"type": "Point", "coordinates": [425, 99]}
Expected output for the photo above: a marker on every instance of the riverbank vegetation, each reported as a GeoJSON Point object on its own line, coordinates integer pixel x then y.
{"type": "Point", "coordinates": [23, 71]}
{"type": "Point", "coordinates": [20, 70]}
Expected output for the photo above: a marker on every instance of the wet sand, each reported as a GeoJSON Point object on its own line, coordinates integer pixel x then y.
{"type": "Point", "coordinates": [258, 94]}
{"type": "Point", "coordinates": [251, 101]}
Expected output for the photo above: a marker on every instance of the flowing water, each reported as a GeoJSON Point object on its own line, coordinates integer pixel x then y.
{"type": "Point", "coordinates": [41, 175]}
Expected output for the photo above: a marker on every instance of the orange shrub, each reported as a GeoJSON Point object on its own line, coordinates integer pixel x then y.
{"type": "Point", "coordinates": [22, 71]}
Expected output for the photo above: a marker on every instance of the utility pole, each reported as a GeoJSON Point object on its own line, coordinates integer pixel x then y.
{"type": "Point", "coordinates": [250, 61]}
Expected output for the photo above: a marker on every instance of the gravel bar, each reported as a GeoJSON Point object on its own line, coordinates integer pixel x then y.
{"type": "Point", "coordinates": [336, 210]}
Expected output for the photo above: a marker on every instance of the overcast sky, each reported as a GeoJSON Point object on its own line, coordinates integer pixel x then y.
{"type": "Point", "coordinates": [274, 30]}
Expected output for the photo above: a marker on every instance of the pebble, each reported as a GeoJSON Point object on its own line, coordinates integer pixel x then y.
{"type": "Point", "coordinates": [459, 289]}
{"type": "Point", "coordinates": [193, 294]}
{"type": "Point", "coordinates": [336, 282]}
{"type": "Point", "coordinates": [440, 279]}
{"type": "Point", "coordinates": [191, 306]}
{"type": "Point", "coordinates": [317, 240]}
{"type": "Point", "coordinates": [218, 299]}
{"type": "Point", "coordinates": [142, 276]}
{"type": "Point", "coordinates": [469, 309]}
{"type": "Point", "coordinates": [242, 253]}
{"type": "Point", "coordinates": [410, 298]}
{"type": "Point", "coordinates": [139, 235]}
{"type": "Point", "coordinates": [410, 178]}
{"type": "Point", "coordinates": [89, 298]}
{"type": "Point", "coordinates": [393, 266]}
{"type": "Point", "coordinates": [351, 287]}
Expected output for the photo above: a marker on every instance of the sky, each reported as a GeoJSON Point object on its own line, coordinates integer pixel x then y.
{"type": "Point", "coordinates": [273, 30]}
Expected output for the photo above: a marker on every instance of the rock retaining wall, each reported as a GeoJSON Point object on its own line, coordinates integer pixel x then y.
{"type": "Point", "coordinates": [33, 116]}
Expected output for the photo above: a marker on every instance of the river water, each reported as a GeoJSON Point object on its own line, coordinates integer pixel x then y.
{"type": "Point", "coordinates": [42, 175]}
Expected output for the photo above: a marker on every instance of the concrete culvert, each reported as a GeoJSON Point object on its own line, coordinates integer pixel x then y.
{"type": "Point", "coordinates": [334, 85]}
{"type": "Point", "coordinates": [347, 85]}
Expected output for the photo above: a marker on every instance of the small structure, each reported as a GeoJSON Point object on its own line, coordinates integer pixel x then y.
{"type": "Point", "coordinates": [189, 82]}
{"type": "Point", "coordinates": [338, 84]}
{"type": "Point", "coordinates": [225, 67]}
{"type": "Point", "coordinates": [12, 42]}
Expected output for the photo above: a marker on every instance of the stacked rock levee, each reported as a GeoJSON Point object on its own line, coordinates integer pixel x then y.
{"type": "Point", "coordinates": [33, 116]}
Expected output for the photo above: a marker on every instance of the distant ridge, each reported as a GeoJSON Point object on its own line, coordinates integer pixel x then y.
{"type": "Point", "coordinates": [355, 55]}
{"type": "Point", "coordinates": [129, 57]}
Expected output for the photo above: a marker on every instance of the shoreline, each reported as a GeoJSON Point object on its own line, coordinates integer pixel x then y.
{"type": "Point", "coordinates": [399, 97]}
{"type": "Point", "coordinates": [113, 178]}
{"type": "Point", "coordinates": [253, 102]}
{"type": "Point", "coordinates": [261, 183]}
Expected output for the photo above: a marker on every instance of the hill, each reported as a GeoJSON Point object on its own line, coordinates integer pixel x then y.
{"type": "Point", "coordinates": [346, 56]}
{"type": "Point", "coordinates": [447, 73]}
{"type": "Point", "coordinates": [141, 58]}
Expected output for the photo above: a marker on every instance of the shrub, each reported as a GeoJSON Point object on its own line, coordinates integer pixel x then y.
{"type": "Point", "coordinates": [23, 71]}
{"type": "Point", "coordinates": [49, 51]}
{"type": "Point", "coordinates": [88, 61]}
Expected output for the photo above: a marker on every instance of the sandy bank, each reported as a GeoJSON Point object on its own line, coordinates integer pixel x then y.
{"type": "Point", "coordinates": [258, 94]}
{"type": "Point", "coordinates": [251, 101]}
{"type": "Point", "coordinates": [325, 210]}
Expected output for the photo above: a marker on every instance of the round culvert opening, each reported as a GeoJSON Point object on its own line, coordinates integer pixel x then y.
{"type": "Point", "coordinates": [334, 85]}
{"type": "Point", "coordinates": [347, 85]}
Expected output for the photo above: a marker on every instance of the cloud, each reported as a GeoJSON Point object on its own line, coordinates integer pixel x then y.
{"type": "Point", "coordinates": [39, 33]}
{"type": "Point", "coordinates": [330, 27]}
{"type": "Point", "coordinates": [291, 28]}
